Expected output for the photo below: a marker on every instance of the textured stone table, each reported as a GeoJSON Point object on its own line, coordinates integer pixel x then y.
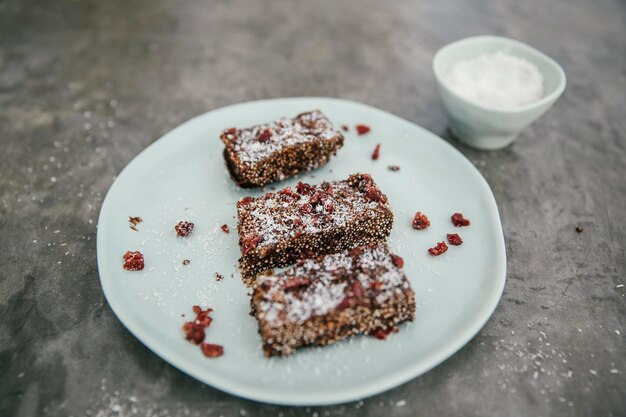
{"type": "Point", "coordinates": [86, 85]}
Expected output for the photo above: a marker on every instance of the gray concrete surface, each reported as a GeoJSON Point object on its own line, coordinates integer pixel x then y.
{"type": "Point", "coordinates": [86, 85]}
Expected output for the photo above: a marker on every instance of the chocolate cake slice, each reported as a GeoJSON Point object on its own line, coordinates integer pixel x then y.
{"type": "Point", "coordinates": [321, 301]}
{"type": "Point", "coordinates": [278, 229]}
{"type": "Point", "coordinates": [270, 152]}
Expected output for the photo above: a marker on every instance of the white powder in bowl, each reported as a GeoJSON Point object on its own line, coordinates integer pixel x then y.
{"type": "Point", "coordinates": [497, 80]}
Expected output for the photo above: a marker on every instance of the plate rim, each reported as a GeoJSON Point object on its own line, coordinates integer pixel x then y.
{"type": "Point", "coordinates": [368, 389]}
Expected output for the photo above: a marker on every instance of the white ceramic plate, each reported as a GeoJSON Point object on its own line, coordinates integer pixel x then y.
{"type": "Point", "coordinates": [182, 177]}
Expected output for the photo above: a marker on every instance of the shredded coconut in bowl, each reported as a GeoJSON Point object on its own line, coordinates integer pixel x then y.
{"type": "Point", "coordinates": [498, 80]}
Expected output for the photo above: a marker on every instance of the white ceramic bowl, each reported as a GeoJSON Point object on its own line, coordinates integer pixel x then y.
{"type": "Point", "coordinates": [489, 128]}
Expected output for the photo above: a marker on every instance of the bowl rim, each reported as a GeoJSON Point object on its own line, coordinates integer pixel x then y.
{"type": "Point", "coordinates": [473, 39]}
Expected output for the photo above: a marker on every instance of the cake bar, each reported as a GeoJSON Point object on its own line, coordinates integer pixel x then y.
{"type": "Point", "coordinates": [321, 301]}
{"type": "Point", "coordinates": [278, 229]}
{"type": "Point", "coordinates": [265, 153]}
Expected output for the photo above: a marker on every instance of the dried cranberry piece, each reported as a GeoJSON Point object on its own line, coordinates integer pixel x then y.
{"type": "Point", "coordinates": [454, 239]}
{"type": "Point", "coordinates": [317, 198]}
{"type": "Point", "coordinates": [355, 252]}
{"type": "Point", "coordinates": [306, 208]}
{"type": "Point", "coordinates": [382, 334]}
{"type": "Point", "coordinates": [295, 283]}
{"type": "Point", "coordinates": [345, 128]}
{"type": "Point", "coordinates": [420, 221]}
{"type": "Point", "coordinates": [347, 302]}
{"type": "Point", "coordinates": [288, 193]}
{"type": "Point", "coordinates": [225, 228]}
{"type": "Point", "coordinates": [376, 152]}
{"type": "Point", "coordinates": [362, 129]}
{"type": "Point", "coordinates": [374, 194]}
{"type": "Point", "coordinates": [202, 316]}
{"type": "Point", "coordinates": [376, 285]}
{"type": "Point", "coordinates": [246, 200]}
{"type": "Point", "coordinates": [439, 249]}
{"type": "Point", "coordinates": [304, 188]}
{"type": "Point", "coordinates": [264, 136]}
{"type": "Point", "coordinates": [230, 134]}
{"type": "Point", "coordinates": [133, 261]}
{"type": "Point", "coordinates": [329, 207]}
{"type": "Point", "coordinates": [250, 243]}
{"type": "Point", "coordinates": [184, 228]}
{"type": "Point", "coordinates": [299, 226]}
{"type": "Point", "coordinates": [357, 289]}
{"type": "Point", "coordinates": [194, 332]}
{"type": "Point", "coordinates": [397, 261]}
{"type": "Point", "coordinates": [211, 350]}
{"type": "Point", "coordinates": [458, 220]}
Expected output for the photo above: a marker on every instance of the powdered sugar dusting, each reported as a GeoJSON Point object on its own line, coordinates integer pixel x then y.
{"type": "Point", "coordinates": [275, 219]}
{"type": "Point", "coordinates": [330, 279]}
{"type": "Point", "coordinates": [282, 133]}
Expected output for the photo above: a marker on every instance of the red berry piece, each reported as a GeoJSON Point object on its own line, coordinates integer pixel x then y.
{"type": "Point", "coordinates": [202, 316]}
{"type": "Point", "coordinates": [133, 261]}
{"type": "Point", "coordinates": [362, 129]}
{"type": "Point", "coordinates": [184, 228]}
{"type": "Point", "coordinates": [317, 198]}
{"type": "Point", "coordinates": [304, 188]}
{"type": "Point", "coordinates": [295, 283]}
{"type": "Point", "coordinates": [306, 208]}
{"type": "Point", "coordinates": [347, 302]}
{"type": "Point", "coordinates": [231, 134]}
{"type": "Point", "coordinates": [345, 128]}
{"type": "Point", "coordinates": [264, 136]}
{"type": "Point", "coordinates": [250, 243]}
{"type": "Point", "coordinates": [458, 220]}
{"type": "Point", "coordinates": [225, 228]}
{"type": "Point", "coordinates": [246, 200]}
{"type": "Point", "coordinates": [454, 239]}
{"type": "Point", "coordinates": [288, 194]}
{"type": "Point", "coordinates": [439, 249]}
{"type": "Point", "coordinates": [376, 152]}
{"type": "Point", "coordinates": [211, 350]}
{"type": "Point", "coordinates": [357, 289]}
{"type": "Point", "coordinates": [382, 334]}
{"type": "Point", "coordinates": [194, 332]}
{"type": "Point", "coordinates": [374, 194]}
{"type": "Point", "coordinates": [397, 261]}
{"type": "Point", "coordinates": [420, 221]}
